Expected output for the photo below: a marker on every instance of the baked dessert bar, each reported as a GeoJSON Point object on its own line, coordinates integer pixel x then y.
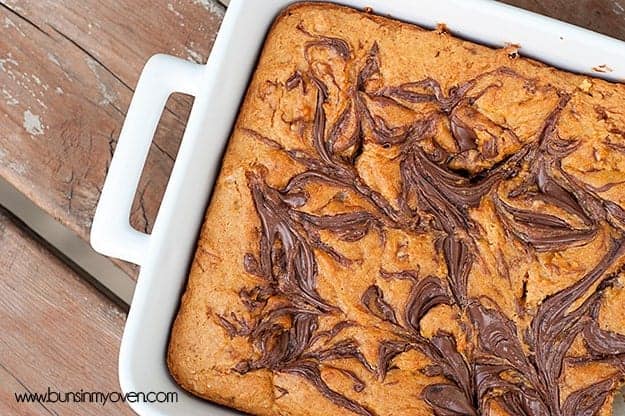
{"type": "Point", "coordinates": [407, 223]}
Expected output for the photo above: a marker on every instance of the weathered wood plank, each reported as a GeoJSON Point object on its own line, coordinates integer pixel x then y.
{"type": "Point", "coordinates": [67, 70]}
{"type": "Point", "coordinates": [603, 16]}
{"type": "Point", "coordinates": [8, 405]}
{"type": "Point", "coordinates": [56, 330]}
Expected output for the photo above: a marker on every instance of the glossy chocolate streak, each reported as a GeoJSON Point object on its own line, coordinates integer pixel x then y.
{"type": "Point", "coordinates": [286, 258]}
{"type": "Point", "coordinates": [351, 226]}
{"type": "Point", "coordinates": [444, 194]}
{"type": "Point", "coordinates": [459, 262]}
{"type": "Point", "coordinates": [556, 325]}
{"type": "Point", "coordinates": [498, 337]}
{"type": "Point", "coordinates": [426, 294]}
{"type": "Point", "coordinates": [453, 365]}
{"type": "Point", "coordinates": [429, 90]}
{"type": "Point", "coordinates": [372, 67]}
{"type": "Point", "coordinates": [431, 198]}
{"type": "Point", "coordinates": [602, 343]}
{"type": "Point", "coordinates": [340, 46]}
{"type": "Point", "coordinates": [287, 337]}
{"type": "Point", "coordinates": [387, 351]}
{"type": "Point", "coordinates": [448, 400]}
{"type": "Point", "coordinates": [310, 371]}
{"type": "Point", "coordinates": [294, 81]}
{"type": "Point", "coordinates": [374, 301]}
{"type": "Point", "coordinates": [520, 401]}
{"type": "Point", "coordinates": [588, 401]}
{"type": "Point", "coordinates": [464, 135]}
{"type": "Point", "coordinates": [544, 232]}
{"type": "Point", "coordinates": [518, 368]}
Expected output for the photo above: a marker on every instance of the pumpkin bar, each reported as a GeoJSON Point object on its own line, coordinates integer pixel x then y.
{"type": "Point", "coordinates": [407, 223]}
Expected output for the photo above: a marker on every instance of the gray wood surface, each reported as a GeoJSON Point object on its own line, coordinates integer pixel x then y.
{"type": "Point", "coordinates": [603, 16]}
{"type": "Point", "coordinates": [67, 73]}
{"type": "Point", "coordinates": [56, 330]}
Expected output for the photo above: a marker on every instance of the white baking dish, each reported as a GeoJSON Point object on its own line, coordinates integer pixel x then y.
{"type": "Point", "coordinates": [219, 87]}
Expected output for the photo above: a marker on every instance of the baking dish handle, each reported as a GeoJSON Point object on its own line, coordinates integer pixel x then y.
{"type": "Point", "coordinates": [111, 233]}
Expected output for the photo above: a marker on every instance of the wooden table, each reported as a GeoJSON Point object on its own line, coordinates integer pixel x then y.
{"type": "Point", "coordinates": [57, 330]}
{"type": "Point", "coordinates": [67, 73]}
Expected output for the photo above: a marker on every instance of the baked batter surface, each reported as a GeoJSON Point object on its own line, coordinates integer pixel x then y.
{"type": "Point", "coordinates": [410, 224]}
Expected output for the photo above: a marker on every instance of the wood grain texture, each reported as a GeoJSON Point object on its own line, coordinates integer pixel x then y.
{"type": "Point", "coordinates": [603, 16]}
{"type": "Point", "coordinates": [67, 73]}
{"type": "Point", "coordinates": [55, 330]}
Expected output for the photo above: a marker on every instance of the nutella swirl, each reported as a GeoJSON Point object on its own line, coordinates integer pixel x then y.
{"type": "Point", "coordinates": [519, 369]}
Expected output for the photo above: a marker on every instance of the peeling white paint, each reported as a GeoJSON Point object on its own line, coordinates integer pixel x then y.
{"type": "Point", "coordinates": [8, 23]}
{"type": "Point", "coordinates": [14, 5]}
{"type": "Point", "coordinates": [211, 6]}
{"type": "Point", "coordinates": [108, 96]}
{"type": "Point", "coordinates": [8, 98]}
{"type": "Point", "coordinates": [194, 56]}
{"type": "Point", "coordinates": [59, 90]}
{"type": "Point", "coordinates": [18, 168]}
{"type": "Point", "coordinates": [53, 59]}
{"type": "Point", "coordinates": [8, 59]}
{"type": "Point", "coordinates": [170, 7]}
{"type": "Point", "coordinates": [32, 123]}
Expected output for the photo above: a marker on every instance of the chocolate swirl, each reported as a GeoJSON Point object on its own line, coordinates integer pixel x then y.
{"type": "Point", "coordinates": [601, 343]}
{"type": "Point", "coordinates": [518, 368]}
{"type": "Point", "coordinates": [374, 301]}
{"type": "Point", "coordinates": [588, 401]}
{"type": "Point", "coordinates": [544, 232]}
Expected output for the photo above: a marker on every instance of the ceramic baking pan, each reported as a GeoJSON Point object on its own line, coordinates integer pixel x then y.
{"type": "Point", "coordinates": [218, 88]}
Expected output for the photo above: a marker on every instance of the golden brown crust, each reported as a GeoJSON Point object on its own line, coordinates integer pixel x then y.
{"type": "Point", "coordinates": [507, 106]}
